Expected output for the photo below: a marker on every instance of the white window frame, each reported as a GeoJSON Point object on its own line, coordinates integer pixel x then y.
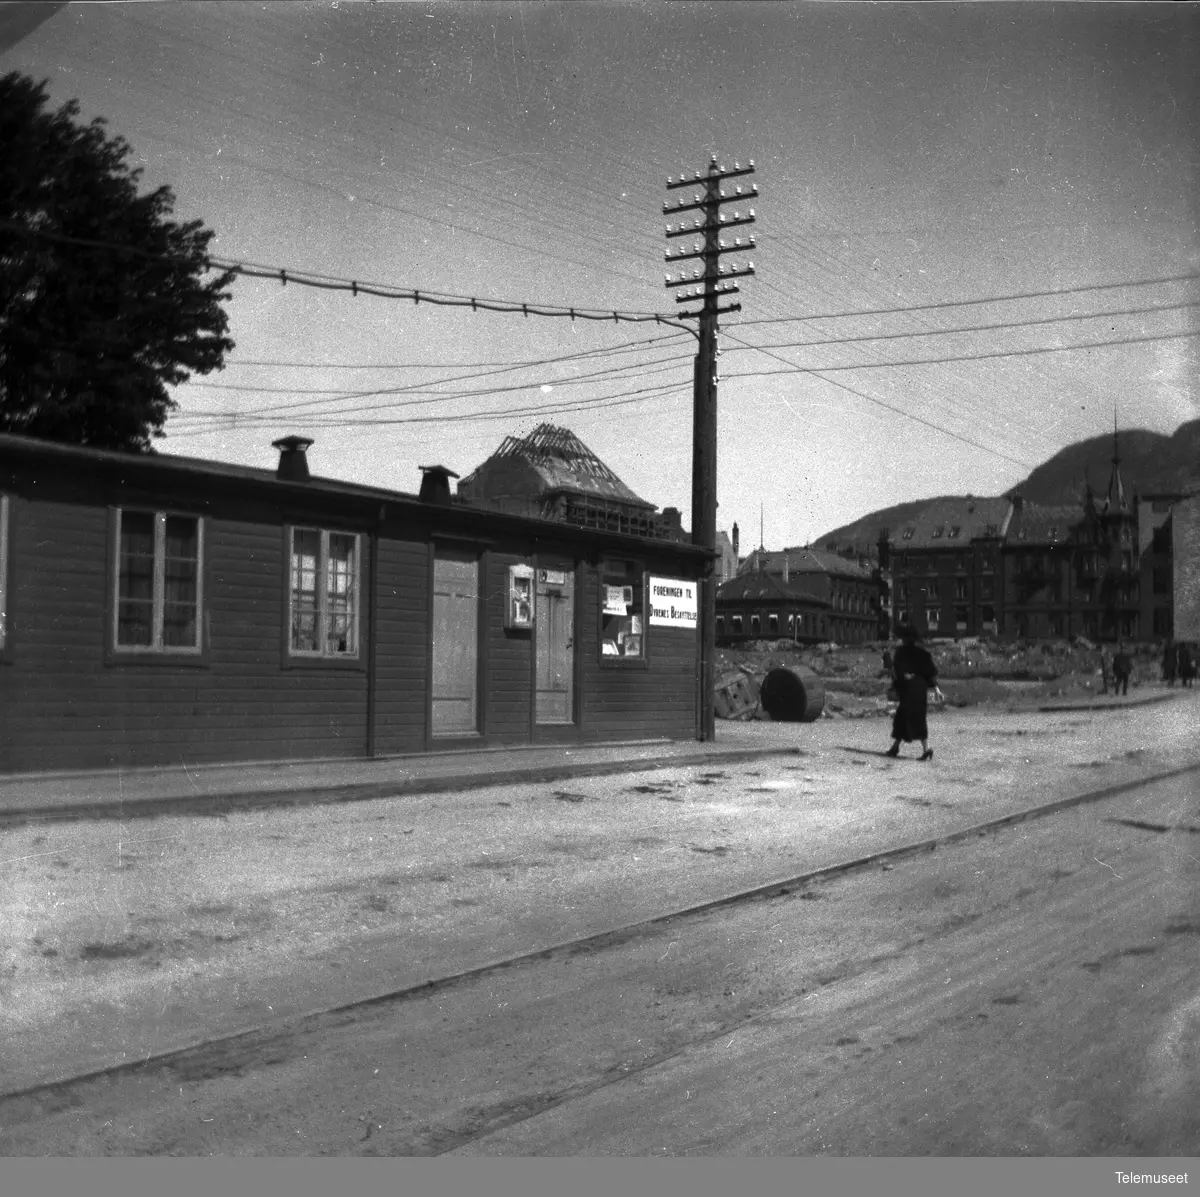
{"type": "Point", "coordinates": [322, 653]}
{"type": "Point", "coordinates": [156, 647]}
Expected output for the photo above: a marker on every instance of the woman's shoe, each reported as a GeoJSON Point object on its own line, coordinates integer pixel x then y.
{"type": "Point", "coordinates": [927, 755]}
{"type": "Point", "coordinates": [893, 751]}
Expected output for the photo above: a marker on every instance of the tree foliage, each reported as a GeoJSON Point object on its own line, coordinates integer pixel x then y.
{"type": "Point", "coordinates": [104, 300]}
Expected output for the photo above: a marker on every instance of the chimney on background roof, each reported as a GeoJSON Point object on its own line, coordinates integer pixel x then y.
{"type": "Point", "coordinates": [785, 566]}
{"type": "Point", "coordinates": [435, 485]}
{"type": "Point", "coordinates": [293, 465]}
{"type": "Point", "coordinates": [735, 540]}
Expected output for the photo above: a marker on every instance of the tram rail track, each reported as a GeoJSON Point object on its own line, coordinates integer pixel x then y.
{"type": "Point", "coordinates": [250, 1045]}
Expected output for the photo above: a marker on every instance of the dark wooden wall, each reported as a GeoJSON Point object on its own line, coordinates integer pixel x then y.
{"type": "Point", "coordinates": [64, 704]}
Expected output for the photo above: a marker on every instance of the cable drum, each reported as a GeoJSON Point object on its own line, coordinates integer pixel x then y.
{"type": "Point", "coordinates": [794, 694]}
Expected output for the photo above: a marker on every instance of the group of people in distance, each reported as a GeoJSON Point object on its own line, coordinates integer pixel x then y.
{"type": "Point", "coordinates": [1178, 662]}
{"type": "Point", "coordinates": [914, 676]}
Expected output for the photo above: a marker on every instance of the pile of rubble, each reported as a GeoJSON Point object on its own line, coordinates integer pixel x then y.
{"type": "Point", "coordinates": [970, 671]}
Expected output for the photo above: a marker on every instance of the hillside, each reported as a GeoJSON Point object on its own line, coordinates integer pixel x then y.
{"type": "Point", "coordinates": [1150, 463]}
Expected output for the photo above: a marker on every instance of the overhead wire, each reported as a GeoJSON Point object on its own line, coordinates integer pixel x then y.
{"type": "Point", "coordinates": [292, 409]}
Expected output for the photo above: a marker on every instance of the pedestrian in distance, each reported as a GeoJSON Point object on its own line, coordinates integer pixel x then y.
{"type": "Point", "coordinates": [1187, 666]}
{"type": "Point", "coordinates": [1122, 667]}
{"type": "Point", "coordinates": [887, 664]}
{"type": "Point", "coordinates": [1170, 662]}
{"type": "Point", "coordinates": [1103, 671]}
{"type": "Point", "coordinates": [915, 675]}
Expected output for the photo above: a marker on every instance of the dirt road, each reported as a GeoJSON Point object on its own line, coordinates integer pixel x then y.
{"type": "Point", "coordinates": [810, 1024]}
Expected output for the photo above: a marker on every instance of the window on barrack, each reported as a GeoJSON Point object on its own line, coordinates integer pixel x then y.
{"type": "Point", "coordinates": [622, 610]}
{"type": "Point", "coordinates": [158, 592]}
{"type": "Point", "coordinates": [323, 596]}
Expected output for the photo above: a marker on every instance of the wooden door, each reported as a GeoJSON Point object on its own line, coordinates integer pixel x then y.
{"type": "Point", "coordinates": [554, 631]}
{"type": "Point", "coordinates": [455, 645]}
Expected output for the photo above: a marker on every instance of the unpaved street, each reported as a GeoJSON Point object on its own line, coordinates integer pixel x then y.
{"type": "Point", "coordinates": [791, 1026]}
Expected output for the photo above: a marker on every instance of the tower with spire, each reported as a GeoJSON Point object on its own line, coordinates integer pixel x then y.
{"type": "Point", "coordinates": [1116, 519]}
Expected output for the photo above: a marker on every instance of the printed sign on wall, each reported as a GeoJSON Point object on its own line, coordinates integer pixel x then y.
{"type": "Point", "coordinates": [673, 602]}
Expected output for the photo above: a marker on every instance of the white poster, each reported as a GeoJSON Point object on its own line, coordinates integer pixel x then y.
{"type": "Point", "coordinates": [616, 600]}
{"type": "Point", "coordinates": [673, 602]}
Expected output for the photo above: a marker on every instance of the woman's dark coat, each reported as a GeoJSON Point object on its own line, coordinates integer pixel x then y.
{"type": "Point", "coordinates": [915, 675]}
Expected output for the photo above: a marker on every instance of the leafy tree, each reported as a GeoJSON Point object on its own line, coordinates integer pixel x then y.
{"type": "Point", "coordinates": [103, 298]}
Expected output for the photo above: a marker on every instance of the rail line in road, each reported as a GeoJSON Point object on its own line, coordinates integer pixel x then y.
{"type": "Point", "coordinates": [210, 1056]}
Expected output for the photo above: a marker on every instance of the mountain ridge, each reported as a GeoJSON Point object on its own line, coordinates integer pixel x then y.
{"type": "Point", "coordinates": [1151, 463]}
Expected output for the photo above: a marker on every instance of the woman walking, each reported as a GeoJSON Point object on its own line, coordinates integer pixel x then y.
{"type": "Point", "coordinates": [915, 675]}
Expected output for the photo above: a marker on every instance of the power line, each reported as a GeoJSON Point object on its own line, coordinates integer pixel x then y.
{"type": "Point", "coordinates": [890, 407]}
{"type": "Point", "coordinates": [306, 278]}
{"type": "Point", "coordinates": [957, 303]}
{"type": "Point", "coordinates": [943, 332]}
{"type": "Point", "coordinates": [628, 347]}
{"type": "Point", "coordinates": [293, 408]}
{"type": "Point", "coordinates": [976, 357]}
{"type": "Point", "coordinates": [620, 399]}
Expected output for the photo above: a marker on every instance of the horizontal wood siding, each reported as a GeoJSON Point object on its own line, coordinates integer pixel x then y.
{"type": "Point", "coordinates": [65, 706]}
{"type": "Point", "coordinates": [508, 668]}
{"type": "Point", "coordinates": [634, 702]}
{"type": "Point", "coordinates": [402, 634]}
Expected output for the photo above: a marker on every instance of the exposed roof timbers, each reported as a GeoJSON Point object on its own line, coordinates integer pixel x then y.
{"type": "Point", "coordinates": [550, 443]}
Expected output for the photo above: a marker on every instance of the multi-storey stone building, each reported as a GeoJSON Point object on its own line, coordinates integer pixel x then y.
{"type": "Point", "coordinates": [940, 572]}
{"type": "Point", "coordinates": [799, 594]}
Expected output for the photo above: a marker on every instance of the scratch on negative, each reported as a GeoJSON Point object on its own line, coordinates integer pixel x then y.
{"type": "Point", "coordinates": [1108, 866]}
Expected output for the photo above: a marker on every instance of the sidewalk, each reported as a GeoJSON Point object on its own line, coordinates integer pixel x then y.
{"type": "Point", "coordinates": [191, 789]}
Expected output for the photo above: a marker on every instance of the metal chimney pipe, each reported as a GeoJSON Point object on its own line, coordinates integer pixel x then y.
{"type": "Point", "coordinates": [293, 464]}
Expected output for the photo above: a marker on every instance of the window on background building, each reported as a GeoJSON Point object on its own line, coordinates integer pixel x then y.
{"type": "Point", "coordinates": [720, 624]}
{"type": "Point", "coordinates": [755, 626]}
{"type": "Point", "coordinates": [1159, 578]}
{"type": "Point", "coordinates": [157, 604]}
{"type": "Point", "coordinates": [1162, 621]}
{"type": "Point", "coordinates": [954, 532]}
{"type": "Point", "coordinates": [323, 598]}
{"type": "Point", "coordinates": [623, 610]}
{"type": "Point", "coordinates": [960, 589]}
{"type": "Point", "coordinates": [988, 614]}
{"type": "Point", "coordinates": [908, 534]}
{"type": "Point", "coordinates": [960, 619]}
{"type": "Point", "coordinates": [773, 624]}
{"type": "Point", "coordinates": [737, 625]}
{"type": "Point", "coordinates": [931, 618]}
{"type": "Point", "coordinates": [987, 588]}
{"type": "Point", "coordinates": [937, 532]}
{"type": "Point", "coordinates": [1055, 623]}
{"type": "Point", "coordinates": [1160, 540]}
{"type": "Point", "coordinates": [3, 570]}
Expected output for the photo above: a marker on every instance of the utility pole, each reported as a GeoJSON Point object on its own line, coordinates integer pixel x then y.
{"type": "Point", "coordinates": [708, 281]}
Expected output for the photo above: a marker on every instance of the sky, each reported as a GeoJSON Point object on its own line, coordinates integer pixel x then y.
{"type": "Point", "coordinates": [977, 230]}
